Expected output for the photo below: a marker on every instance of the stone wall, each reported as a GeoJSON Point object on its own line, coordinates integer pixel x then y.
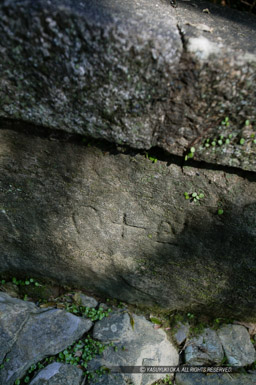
{"type": "Point", "coordinates": [139, 73]}
{"type": "Point", "coordinates": [150, 228]}
{"type": "Point", "coordinates": [118, 224]}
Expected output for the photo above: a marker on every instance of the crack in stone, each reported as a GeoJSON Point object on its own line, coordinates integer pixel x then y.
{"type": "Point", "coordinates": [17, 234]}
{"type": "Point", "coordinates": [75, 223]}
{"type": "Point", "coordinates": [160, 154]}
{"type": "Point", "coordinates": [167, 243]}
{"type": "Point", "coordinates": [182, 37]}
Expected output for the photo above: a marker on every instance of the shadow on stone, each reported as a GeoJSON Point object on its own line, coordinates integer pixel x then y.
{"type": "Point", "coordinates": [120, 226]}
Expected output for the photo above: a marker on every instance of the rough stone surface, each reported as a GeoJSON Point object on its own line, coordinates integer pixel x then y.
{"type": "Point", "coordinates": [182, 333]}
{"type": "Point", "coordinates": [117, 327]}
{"type": "Point", "coordinates": [138, 344]}
{"type": "Point", "coordinates": [10, 289]}
{"type": "Point", "coordinates": [237, 345]}
{"type": "Point", "coordinates": [58, 374]}
{"type": "Point", "coordinates": [111, 379]}
{"type": "Point", "coordinates": [221, 39]}
{"type": "Point", "coordinates": [108, 51]}
{"type": "Point", "coordinates": [86, 301]}
{"type": "Point", "coordinates": [215, 379]}
{"type": "Point", "coordinates": [103, 306]}
{"type": "Point", "coordinates": [29, 334]}
{"type": "Point", "coordinates": [139, 73]}
{"type": "Point", "coordinates": [119, 225]}
{"type": "Point", "coordinates": [205, 349]}
{"type": "Point", "coordinates": [13, 316]}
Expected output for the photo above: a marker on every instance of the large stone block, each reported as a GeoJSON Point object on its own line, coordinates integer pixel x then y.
{"type": "Point", "coordinates": [139, 73]}
{"type": "Point", "coordinates": [91, 67]}
{"type": "Point", "coordinates": [139, 345]}
{"type": "Point", "coordinates": [29, 334]}
{"type": "Point", "coordinates": [119, 225]}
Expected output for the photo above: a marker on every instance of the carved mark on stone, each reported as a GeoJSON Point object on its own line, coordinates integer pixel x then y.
{"type": "Point", "coordinates": [10, 221]}
{"type": "Point", "coordinates": [79, 220]}
{"type": "Point", "coordinates": [75, 223]}
{"type": "Point", "coordinates": [125, 224]}
{"type": "Point", "coordinates": [168, 231]}
{"type": "Point", "coordinates": [129, 225]}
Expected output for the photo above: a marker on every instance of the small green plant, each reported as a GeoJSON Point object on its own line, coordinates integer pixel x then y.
{"type": "Point", "coordinates": [217, 141]}
{"type": "Point", "coordinates": [196, 328]}
{"type": "Point", "coordinates": [155, 321]}
{"type": "Point", "coordinates": [152, 158]}
{"type": "Point", "coordinates": [252, 137]}
{"type": "Point", "coordinates": [32, 368]}
{"type": "Point", "coordinates": [167, 380]}
{"type": "Point", "coordinates": [190, 316]}
{"type": "Point", "coordinates": [194, 196]}
{"type": "Point", "coordinates": [224, 361]}
{"type": "Point", "coordinates": [77, 354]}
{"type": "Point", "coordinates": [88, 312]}
{"type": "Point", "coordinates": [222, 139]}
{"type": "Point", "coordinates": [28, 281]}
{"type": "Point", "coordinates": [187, 195]}
{"type": "Point", "coordinates": [6, 360]}
{"type": "Point", "coordinates": [226, 122]}
{"type": "Point", "coordinates": [220, 211]}
{"type": "Point", "coordinates": [190, 154]}
{"type": "Point", "coordinates": [35, 367]}
{"type": "Point", "coordinates": [82, 352]}
{"type": "Point", "coordinates": [216, 322]}
{"type": "Point", "coordinates": [207, 143]}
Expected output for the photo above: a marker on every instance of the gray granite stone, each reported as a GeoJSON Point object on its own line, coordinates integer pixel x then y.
{"type": "Point", "coordinates": [237, 345]}
{"type": "Point", "coordinates": [138, 344]}
{"type": "Point", "coordinates": [182, 332]}
{"type": "Point", "coordinates": [119, 224]}
{"type": "Point", "coordinates": [58, 374]}
{"type": "Point", "coordinates": [205, 349]}
{"type": "Point", "coordinates": [139, 73]}
{"type": "Point", "coordinates": [29, 334]}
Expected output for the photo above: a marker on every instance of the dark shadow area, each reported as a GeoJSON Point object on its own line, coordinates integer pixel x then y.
{"type": "Point", "coordinates": [241, 5]}
{"type": "Point", "coordinates": [231, 14]}
{"type": "Point", "coordinates": [211, 265]}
